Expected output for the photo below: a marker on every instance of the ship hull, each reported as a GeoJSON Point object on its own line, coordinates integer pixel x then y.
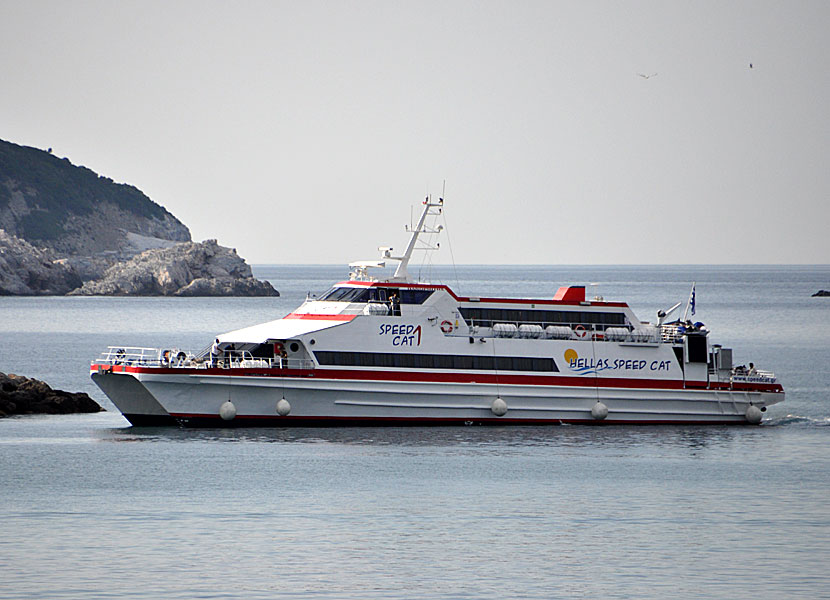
{"type": "Point", "coordinates": [133, 400]}
{"type": "Point", "coordinates": [195, 399]}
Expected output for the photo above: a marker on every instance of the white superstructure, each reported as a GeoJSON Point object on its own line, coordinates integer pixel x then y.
{"type": "Point", "coordinates": [395, 351]}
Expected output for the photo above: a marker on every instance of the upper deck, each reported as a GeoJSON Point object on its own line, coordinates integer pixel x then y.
{"type": "Point", "coordinates": [567, 308]}
{"type": "Point", "coordinates": [573, 295]}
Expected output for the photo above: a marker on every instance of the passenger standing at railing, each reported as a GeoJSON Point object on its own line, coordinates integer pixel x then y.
{"type": "Point", "coordinates": [214, 353]}
{"type": "Point", "coordinates": [752, 369]}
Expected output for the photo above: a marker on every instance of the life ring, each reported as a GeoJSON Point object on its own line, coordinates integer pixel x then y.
{"type": "Point", "coordinates": [446, 326]}
{"type": "Point", "coordinates": [119, 356]}
{"type": "Point", "coordinates": [580, 332]}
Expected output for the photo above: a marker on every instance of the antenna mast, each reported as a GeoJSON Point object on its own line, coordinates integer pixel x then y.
{"type": "Point", "coordinates": [430, 208]}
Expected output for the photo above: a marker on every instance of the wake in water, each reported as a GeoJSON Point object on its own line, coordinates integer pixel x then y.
{"type": "Point", "coordinates": [797, 420]}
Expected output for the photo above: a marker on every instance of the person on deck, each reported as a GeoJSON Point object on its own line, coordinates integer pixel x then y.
{"type": "Point", "coordinates": [214, 353]}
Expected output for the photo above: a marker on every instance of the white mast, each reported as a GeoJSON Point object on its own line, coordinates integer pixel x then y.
{"type": "Point", "coordinates": [401, 274]}
{"type": "Point", "coordinates": [360, 272]}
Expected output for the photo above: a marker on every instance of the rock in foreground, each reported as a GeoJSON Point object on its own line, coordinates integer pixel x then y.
{"type": "Point", "coordinates": [186, 269]}
{"type": "Point", "coordinates": [23, 396]}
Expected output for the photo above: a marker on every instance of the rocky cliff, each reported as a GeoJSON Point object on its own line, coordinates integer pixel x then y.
{"type": "Point", "coordinates": [63, 226]}
{"type": "Point", "coordinates": [26, 270]}
{"type": "Point", "coordinates": [188, 269]}
{"type": "Point", "coordinates": [71, 210]}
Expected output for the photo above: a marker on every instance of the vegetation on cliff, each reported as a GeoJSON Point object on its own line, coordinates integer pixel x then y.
{"type": "Point", "coordinates": [65, 229]}
{"type": "Point", "coordinates": [62, 190]}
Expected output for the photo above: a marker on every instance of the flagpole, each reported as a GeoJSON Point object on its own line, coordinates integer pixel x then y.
{"type": "Point", "coordinates": [689, 301]}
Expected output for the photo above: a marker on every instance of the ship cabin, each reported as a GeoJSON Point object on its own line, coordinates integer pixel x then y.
{"type": "Point", "coordinates": [566, 315]}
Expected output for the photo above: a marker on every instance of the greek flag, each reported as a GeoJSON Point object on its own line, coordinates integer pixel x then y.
{"type": "Point", "coordinates": [692, 299]}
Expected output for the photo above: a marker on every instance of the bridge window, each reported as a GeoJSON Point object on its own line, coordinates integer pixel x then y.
{"type": "Point", "coordinates": [375, 294]}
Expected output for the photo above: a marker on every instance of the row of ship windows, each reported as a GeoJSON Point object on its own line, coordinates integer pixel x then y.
{"type": "Point", "coordinates": [486, 317]}
{"type": "Point", "coordinates": [435, 361]}
{"type": "Point", "coordinates": [375, 294]}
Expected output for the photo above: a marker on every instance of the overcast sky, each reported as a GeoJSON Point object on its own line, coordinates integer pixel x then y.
{"type": "Point", "coordinates": [303, 132]}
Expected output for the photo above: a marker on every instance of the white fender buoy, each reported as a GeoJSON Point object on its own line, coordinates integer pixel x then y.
{"type": "Point", "coordinates": [227, 411]}
{"type": "Point", "coordinates": [283, 407]}
{"type": "Point", "coordinates": [499, 407]}
{"type": "Point", "coordinates": [753, 414]}
{"type": "Point", "coordinates": [599, 411]}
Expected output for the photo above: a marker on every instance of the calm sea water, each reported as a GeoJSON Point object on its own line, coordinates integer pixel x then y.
{"type": "Point", "coordinates": [91, 508]}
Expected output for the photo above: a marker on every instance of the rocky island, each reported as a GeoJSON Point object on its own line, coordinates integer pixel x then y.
{"type": "Point", "coordinates": [23, 396]}
{"type": "Point", "coordinates": [186, 269]}
{"type": "Point", "coordinates": [67, 230]}
{"type": "Point", "coordinates": [821, 293]}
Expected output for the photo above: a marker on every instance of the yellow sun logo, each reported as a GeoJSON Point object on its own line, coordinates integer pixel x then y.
{"type": "Point", "coordinates": [571, 355]}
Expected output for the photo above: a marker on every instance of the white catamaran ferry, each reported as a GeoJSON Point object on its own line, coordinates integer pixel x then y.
{"type": "Point", "coordinates": [393, 351]}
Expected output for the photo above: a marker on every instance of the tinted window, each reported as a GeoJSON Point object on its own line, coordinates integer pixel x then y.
{"type": "Point", "coordinates": [486, 317]}
{"type": "Point", "coordinates": [415, 296]}
{"type": "Point", "coordinates": [406, 296]}
{"type": "Point", "coordinates": [375, 294]}
{"type": "Point", "coordinates": [435, 361]}
{"type": "Point", "coordinates": [346, 294]}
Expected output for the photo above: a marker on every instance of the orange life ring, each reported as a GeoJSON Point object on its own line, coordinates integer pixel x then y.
{"type": "Point", "coordinates": [446, 326]}
{"type": "Point", "coordinates": [580, 332]}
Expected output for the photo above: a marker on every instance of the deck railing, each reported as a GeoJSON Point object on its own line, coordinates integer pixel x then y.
{"type": "Point", "coordinates": [175, 358]}
{"type": "Point", "coordinates": [131, 355]}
